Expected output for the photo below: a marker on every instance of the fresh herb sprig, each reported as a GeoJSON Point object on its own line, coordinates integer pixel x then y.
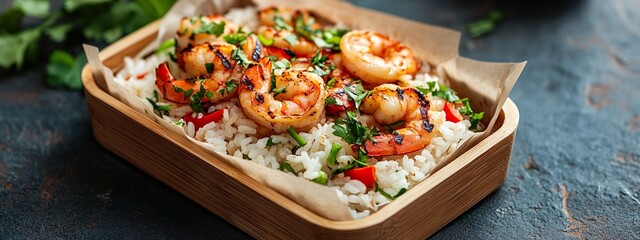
{"type": "Point", "coordinates": [352, 131]}
{"type": "Point", "coordinates": [320, 66]}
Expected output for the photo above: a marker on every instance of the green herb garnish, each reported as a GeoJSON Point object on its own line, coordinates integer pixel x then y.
{"type": "Point", "coordinates": [239, 56]}
{"type": "Point", "coordinates": [286, 166]}
{"type": "Point", "coordinates": [357, 93]}
{"type": "Point", "coordinates": [292, 132]}
{"type": "Point", "coordinates": [322, 178]}
{"type": "Point", "coordinates": [385, 194]}
{"type": "Point", "coordinates": [279, 90]}
{"type": "Point", "coordinates": [209, 67]}
{"type": "Point", "coordinates": [291, 39]}
{"type": "Point", "coordinates": [210, 28]}
{"type": "Point", "coordinates": [332, 101]}
{"type": "Point", "coordinates": [281, 24]}
{"type": "Point", "coordinates": [333, 154]}
{"type": "Point", "coordinates": [270, 142]}
{"type": "Point", "coordinates": [158, 109]}
{"type": "Point", "coordinates": [229, 86]}
{"type": "Point", "coordinates": [282, 64]}
{"type": "Point", "coordinates": [352, 131]}
{"type": "Point", "coordinates": [391, 127]}
{"type": "Point", "coordinates": [166, 45]}
{"type": "Point", "coordinates": [319, 63]}
{"type": "Point", "coordinates": [237, 38]}
{"type": "Point", "coordinates": [265, 41]}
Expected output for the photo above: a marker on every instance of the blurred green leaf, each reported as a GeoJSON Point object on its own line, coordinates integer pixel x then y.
{"type": "Point", "coordinates": [155, 8]}
{"type": "Point", "coordinates": [58, 33]}
{"type": "Point", "coordinates": [64, 70]}
{"type": "Point", "coordinates": [33, 8]}
{"type": "Point", "coordinates": [72, 5]}
{"type": "Point", "coordinates": [15, 48]}
{"type": "Point", "coordinates": [486, 25]}
{"type": "Point", "coordinates": [10, 20]}
{"type": "Point", "coordinates": [120, 19]}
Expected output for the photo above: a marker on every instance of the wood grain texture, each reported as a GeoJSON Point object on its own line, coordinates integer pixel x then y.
{"type": "Point", "coordinates": [264, 213]}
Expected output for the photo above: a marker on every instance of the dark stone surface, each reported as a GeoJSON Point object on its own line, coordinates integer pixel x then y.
{"type": "Point", "coordinates": [574, 173]}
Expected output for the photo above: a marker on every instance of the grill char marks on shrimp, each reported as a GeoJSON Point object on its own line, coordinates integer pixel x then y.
{"type": "Point", "coordinates": [390, 104]}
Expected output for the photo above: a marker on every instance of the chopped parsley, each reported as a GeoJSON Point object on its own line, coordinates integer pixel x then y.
{"type": "Point", "coordinates": [195, 99]}
{"type": "Point", "coordinates": [291, 39]}
{"type": "Point", "coordinates": [158, 109]}
{"type": "Point", "coordinates": [357, 93]}
{"type": "Point", "coordinates": [474, 117]}
{"type": "Point", "coordinates": [239, 56]}
{"type": "Point", "coordinates": [332, 101]}
{"type": "Point", "coordinates": [281, 24]}
{"type": "Point", "coordinates": [210, 28]}
{"type": "Point", "coordinates": [352, 131]}
{"type": "Point", "coordinates": [319, 63]}
{"type": "Point", "coordinates": [323, 39]}
{"type": "Point", "coordinates": [282, 64]}
{"type": "Point", "coordinates": [185, 93]}
{"type": "Point", "coordinates": [209, 67]}
{"type": "Point", "coordinates": [229, 86]}
{"type": "Point", "coordinates": [331, 82]}
{"type": "Point", "coordinates": [237, 38]}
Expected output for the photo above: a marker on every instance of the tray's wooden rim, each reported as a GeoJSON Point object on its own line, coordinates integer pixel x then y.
{"type": "Point", "coordinates": [113, 55]}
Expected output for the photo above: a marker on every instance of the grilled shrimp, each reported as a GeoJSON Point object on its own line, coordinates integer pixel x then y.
{"type": "Point", "coordinates": [299, 101]}
{"type": "Point", "coordinates": [376, 58]}
{"type": "Point", "coordinates": [209, 65]}
{"type": "Point", "coordinates": [287, 39]}
{"type": "Point", "coordinates": [203, 29]}
{"type": "Point", "coordinates": [393, 105]}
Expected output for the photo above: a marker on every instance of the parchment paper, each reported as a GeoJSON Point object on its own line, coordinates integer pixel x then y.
{"type": "Point", "coordinates": [486, 84]}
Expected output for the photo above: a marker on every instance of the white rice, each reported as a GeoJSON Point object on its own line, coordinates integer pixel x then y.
{"type": "Point", "coordinates": [235, 135]}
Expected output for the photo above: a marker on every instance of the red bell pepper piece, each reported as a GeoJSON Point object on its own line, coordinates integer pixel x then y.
{"type": "Point", "coordinates": [366, 175]}
{"type": "Point", "coordinates": [206, 118]}
{"type": "Point", "coordinates": [451, 113]}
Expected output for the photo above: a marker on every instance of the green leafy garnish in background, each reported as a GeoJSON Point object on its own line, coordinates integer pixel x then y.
{"type": "Point", "coordinates": [100, 21]}
{"type": "Point", "coordinates": [485, 25]}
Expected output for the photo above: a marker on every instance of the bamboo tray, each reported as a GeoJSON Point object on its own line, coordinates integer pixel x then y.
{"type": "Point", "coordinates": [265, 213]}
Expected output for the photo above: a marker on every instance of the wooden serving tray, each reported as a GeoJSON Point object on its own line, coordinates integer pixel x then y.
{"type": "Point", "coordinates": [265, 213]}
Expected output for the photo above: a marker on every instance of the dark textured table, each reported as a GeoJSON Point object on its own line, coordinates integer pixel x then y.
{"type": "Point", "coordinates": [574, 173]}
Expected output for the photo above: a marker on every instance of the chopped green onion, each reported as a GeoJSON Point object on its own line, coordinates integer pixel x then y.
{"type": "Point", "coordinates": [387, 195]}
{"type": "Point", "coordinates": [296, 136]}
{"type": "Point", "coordinates": [322, 178]}
{"type": "Point", "coordinates": [166, 45]}
{"type": "Point", "coordinates": [331, 160]}
{"type": "Point", "coordinates": [286, 166]}
{"type": "Point", "coordinates": [279, 90]}
{"type": "Point", "coordinates": [265, 41]}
